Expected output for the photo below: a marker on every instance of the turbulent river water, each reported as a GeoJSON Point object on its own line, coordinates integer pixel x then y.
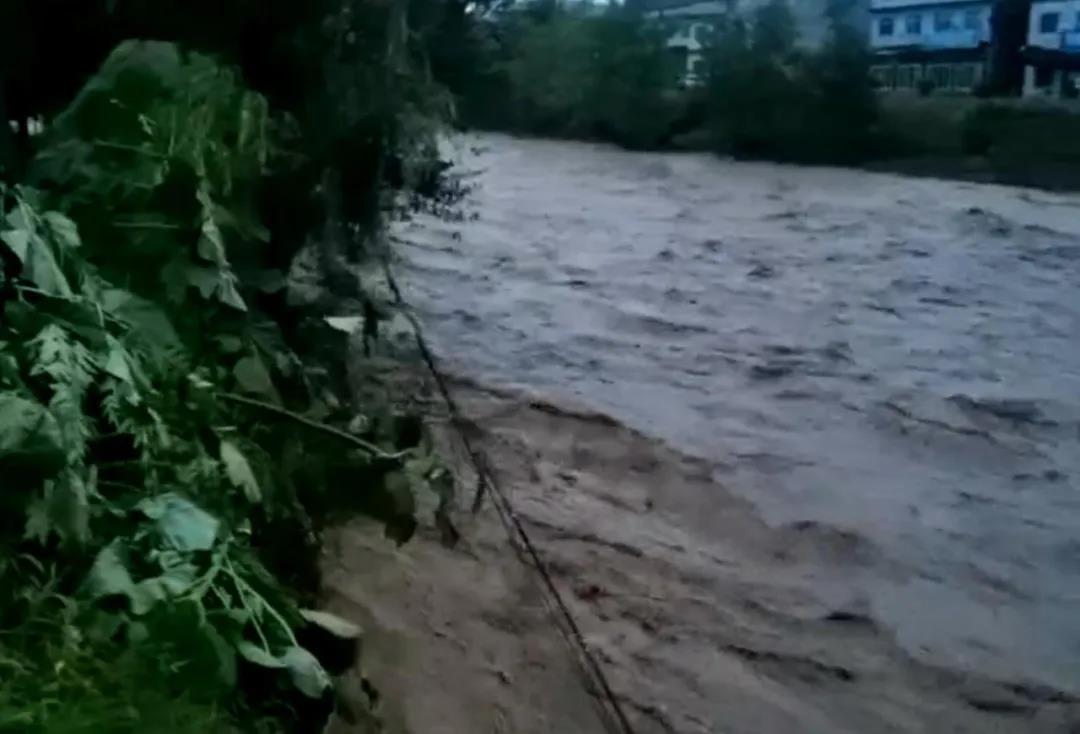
{"type": "Point", "coordinates": [896, 360]}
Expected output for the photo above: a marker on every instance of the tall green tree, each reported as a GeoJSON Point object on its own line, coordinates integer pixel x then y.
{"type": "Point", "coordinates": [574, 73]}
{"type": "Point", "coordinates": [767, 98]}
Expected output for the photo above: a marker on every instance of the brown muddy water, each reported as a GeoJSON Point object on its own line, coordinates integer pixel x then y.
{"type": "Point", "coordinates": [839, 490]}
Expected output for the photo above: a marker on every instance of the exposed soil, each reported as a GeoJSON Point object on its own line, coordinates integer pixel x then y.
{"type": "Point", "coordinates": [731, 634]}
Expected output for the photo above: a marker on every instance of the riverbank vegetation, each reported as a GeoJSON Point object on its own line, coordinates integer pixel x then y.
{"type": "Point", "coordinates": [758, 92]}
{"type": "Point", "coordinates": [559, 72]}
{"type": "Point", "coordinates": [767, 97]}
{"type": "Point", "coordinates": [175, 424]}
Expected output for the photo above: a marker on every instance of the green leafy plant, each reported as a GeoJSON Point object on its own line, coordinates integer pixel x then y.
{"type": "Point", "coordinates": [167, 455]}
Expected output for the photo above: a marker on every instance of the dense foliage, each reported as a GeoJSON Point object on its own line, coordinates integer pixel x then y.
{"type": "Point", "coordinates": [605, 73]}
{"type": "Point", "coordinates": [770, 98]}
{"type": "Point", "coordinates": [577, 71]}
{"type": "Point", "coordinates": [170, 448]}
{"type": "Point", "coordinates": [571, 72]}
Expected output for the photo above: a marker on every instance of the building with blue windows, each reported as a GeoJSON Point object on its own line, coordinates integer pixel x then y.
{"type": "Point", "coordinates": [1052, 54]}
{"type": "Point", "coordinates": [930, 45]}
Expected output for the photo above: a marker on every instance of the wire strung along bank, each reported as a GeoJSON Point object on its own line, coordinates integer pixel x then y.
{"type": "Point", "coordinates": [595, 681]}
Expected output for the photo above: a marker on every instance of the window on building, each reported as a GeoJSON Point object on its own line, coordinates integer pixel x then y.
{"type": "Point", "coordinates": [913, 24]}
{"type": "Point", "coordinates": [885, 27]}
{"type": "Point", "coordinates": [1048, 22]}
{"type": "Point", "coordinates": [971, 19]}
{"type": "Point", "coordinates": [943, 20]}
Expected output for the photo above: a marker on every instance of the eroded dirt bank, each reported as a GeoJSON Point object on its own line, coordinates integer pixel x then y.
{"type": "Point", "coordinates": [723, 631]}
{"type": "Point", "coordinates": [838, 490]}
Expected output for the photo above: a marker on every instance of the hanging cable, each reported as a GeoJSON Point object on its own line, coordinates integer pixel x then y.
{"type": "Point", "coordinates": [596, 682]}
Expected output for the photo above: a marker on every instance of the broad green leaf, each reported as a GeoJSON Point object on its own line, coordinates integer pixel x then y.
{"type": "Point", "coordinates": [345, 324]}
{"type": "Point", "coordinates": [39, 263]}
{"type": "Point", "coordinates": [148, 323]}
{"type": "Point", "coordinates": [63, 229]}
{"type": "Point", "coordinates": [332, 623]}
{"type": "Point", "coordinates": [38, 525]}
{"type": "Point", "coordinates": [228, 294]}
{"type": "Point", "coordinates": [239, 617]}
{"type": "Point", "coordinates": [253, 377]}
{"type": "Point", "coordinates": [225, 654]}
{"type": "Point", "coordinates": [205, 279]}
{"type": "Point", "coordinates": [18, 241]}
{"type": "Point", "coordinates": [145, 595]}
{"type": "Point", "coordinates": [109, 576]}
{"type": "Point", "coordinates": [45, 272]}
{"type": "Point", "coordinates": [306, 673]}
{"type": "Point", "coordinates": [229, 343]}
{"type": "Point", "coordinates": [69, 506]}
{"type": "Point", "coordinates": [183, 524]}
{"type": "Point", "coordinates": [239, 470]}
{"type": "Point", "coordinates": [211, 246]}
{"type": "Point", "coordinates": [216, 283]}
{"type": "Point", "coordinates": [178, 578]}
{"type": "Point", "coordinates": [31, 444]}
{"type": "Point", "coordinates": [174, 582]}
{"type": "Point", "coordinates": [137, 632]}
{"type": "Point", "coordinates": [117, 362]}
{"type": "Point", "coordinates": [10, 374]}
{"type": "Point", "coordinates": [18, 218]}
{"type": "Point", "coordinates": [257, 655]}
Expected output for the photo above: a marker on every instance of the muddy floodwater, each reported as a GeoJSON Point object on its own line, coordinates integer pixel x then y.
{"type": "Point", "coordinates": [882, 371]}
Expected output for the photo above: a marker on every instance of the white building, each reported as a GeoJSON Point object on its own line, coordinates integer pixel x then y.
{"type": "Point", "coordinates": [940, 45]}
{"type": "Point", "coordinates": [1053, 49]}
{"type": "Point", "coordinates": [690, 24]}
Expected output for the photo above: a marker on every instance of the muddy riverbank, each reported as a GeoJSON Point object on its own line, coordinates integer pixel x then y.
{"type": "Point", "coordinates": [833, 487]}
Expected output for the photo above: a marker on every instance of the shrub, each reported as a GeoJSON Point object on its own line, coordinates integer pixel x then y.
{"type": "Point", "coordinates": [567, 73]}
{"type": "Point", "coordinates": [163, 446]}
{"type": "Point", "coordinates": [1016, 132]}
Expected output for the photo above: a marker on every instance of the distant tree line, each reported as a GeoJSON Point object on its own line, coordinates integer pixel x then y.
{"type": "Point", "coordinates": [768, 97]}
{"type": "Point", "coordinates": [549, 70]}
{"type": "Point", "coordinates": [563, 71]}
